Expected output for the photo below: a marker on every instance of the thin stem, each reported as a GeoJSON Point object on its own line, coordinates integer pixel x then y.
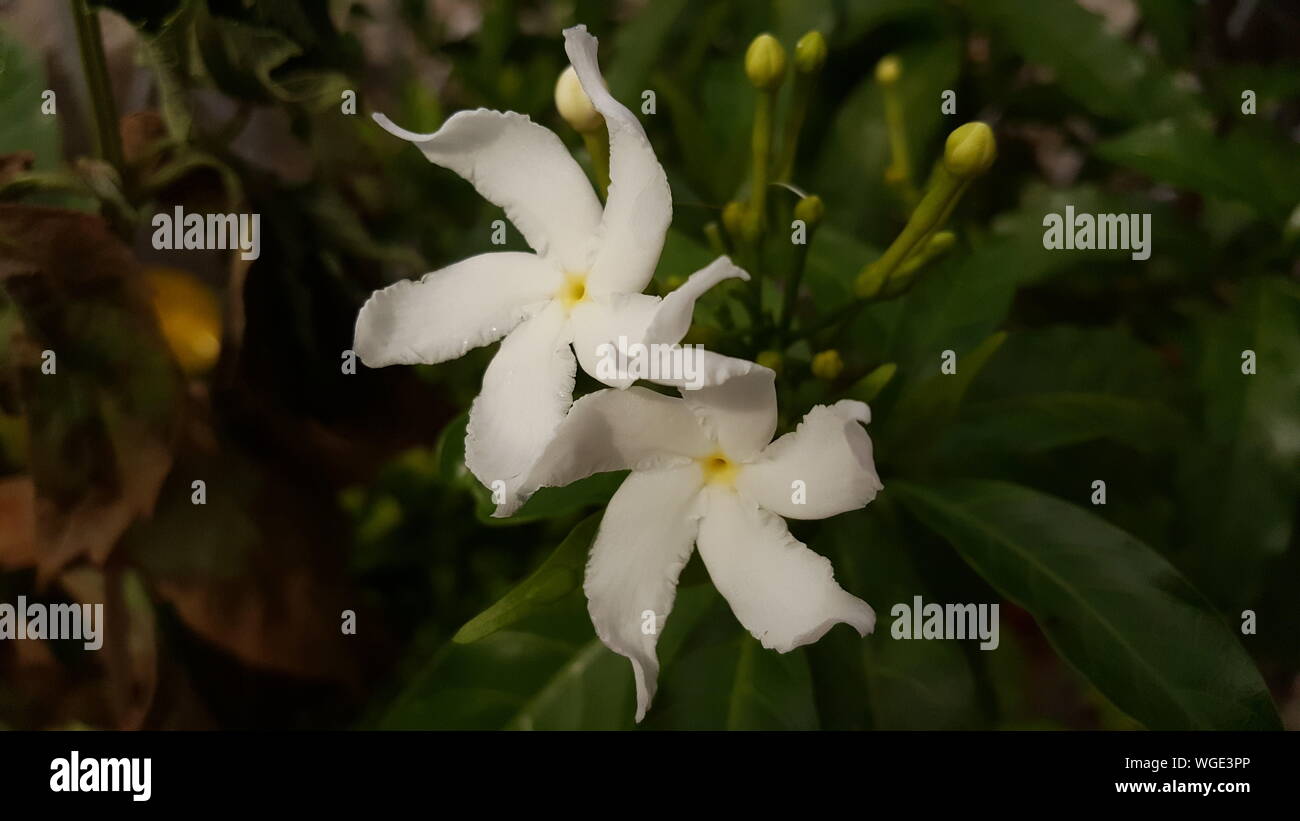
{"type": "Point", "coordinates": [756, 214]}
{"type": "Point", "coordinates": [799, 95]}
{"type": "Point", "coordinates": [91, 45]}
{"type": "Point", "coordinates": [792, 288]}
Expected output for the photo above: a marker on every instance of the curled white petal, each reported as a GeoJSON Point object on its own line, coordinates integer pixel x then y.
{"type": "Point", "coordinates": [672, 317]}
{"type": "Point", "coordinates": [782, 592]}
{"type": "Point", "coordinates": [639, 207]}
{"type": "Point", "coordinates": [524, 168]}
{"type": "Point", "coordinates": [821, 469]}
{"type": "Point", "coordinates": [444, 314]}
{"type": "Point", "coordinates": [644, 541]}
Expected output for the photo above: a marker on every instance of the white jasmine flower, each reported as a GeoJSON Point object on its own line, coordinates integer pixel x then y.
{"type": "Point", "coordinates": [704, 474]}
{"type": "Point", "coordinates": [581, 287]}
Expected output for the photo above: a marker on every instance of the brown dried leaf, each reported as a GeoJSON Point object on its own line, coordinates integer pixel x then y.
{"type": "Point", "coordinates": [101, 426]}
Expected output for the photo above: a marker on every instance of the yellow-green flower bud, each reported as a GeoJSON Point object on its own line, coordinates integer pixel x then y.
{"type": "Point", "coordinates": [810, 53]}
{"type": "Point", "coordinates": [888, 70]}
{"type": "Point", "coordinates": [810, 209]}
{"type": "Point", "coordinates": [827, 365]}
{"type": "Point", "coordinates": [765, 63]}
{"type": "Point", "coordinates": [733, 217]}
{"type": "Point", "coordinates": [770, 359]}
{"type": "Point", "coordinates": [574, 104]}
{"type": "Point", "coordinates": [970, 150]}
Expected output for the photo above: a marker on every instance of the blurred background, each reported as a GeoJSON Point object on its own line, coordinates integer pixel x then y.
{"type": "Point", "coordinates": [331, 489]}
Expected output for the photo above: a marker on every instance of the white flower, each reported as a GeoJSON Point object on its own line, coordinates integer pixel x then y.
{"type": "Point", "coordinates": [581, 287]}
{"type": "Point", "coordinates": [704, 473]}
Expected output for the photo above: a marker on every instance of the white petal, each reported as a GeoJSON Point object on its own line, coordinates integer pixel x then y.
{"type": "Point", "coordinates": [605, 325]}
{"type": "Point", "coordinates": [741, 412]}
{"type": "Point", "coordinates": [524, 168]}
{"type": "Point", "coordinates": [643, 543]}
{"type": "Point", "coordinates": [781, 591]}
{"type": "Point", "coordinates": [640, 204]}
{"type": "Point", "coordinates": [608, 328]}
{"type": "Point", "coordinates": [526, 391]}
{"type": "Point", "coordinates": [830, 453]}
{"type": "Point", "coordinates": [474, 302]}
{"type": "Point", "coordinates": [672, 319]}
{"type": "Point", "coordinates": [615, 430]}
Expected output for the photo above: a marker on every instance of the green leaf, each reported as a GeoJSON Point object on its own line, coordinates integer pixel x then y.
{"type": "Point", "coordinates": [1241, 487]}
{"type": "Point", "coordinates": [928, 405]}
{"type": "Point", "coordinates": [22, 125]}
{"type": "Point", "coordinates": [1039, 422]}
{"type": "Point", "coordinates": [559, 575]}
{"type": "Point", "coordinates": [1111, 606]}
{"type": "Point", "coordinates": [547, 672]}
{"type": "Point", "coordinates": [1107, 75]}
{"type": "Point", "coordinates": [856, 152]}
{"type": "Point", "coordinates": [722, 678]}
{"type": "Point", "coordinates": [1254, 168]}
{"type": "Point", "coordinates": [912, 685]}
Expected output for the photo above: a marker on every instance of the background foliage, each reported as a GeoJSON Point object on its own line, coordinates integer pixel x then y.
{"type": "Point", "coordinates": [330, 491]}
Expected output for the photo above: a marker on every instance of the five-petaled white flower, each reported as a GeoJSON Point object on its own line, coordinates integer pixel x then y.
{"type": "Point", "coordinates": [581, 287]}
{"type": "Point", "coordinates": [704, 473]}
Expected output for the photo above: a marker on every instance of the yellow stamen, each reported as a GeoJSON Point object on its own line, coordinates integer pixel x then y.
{"type": "Point", "coordinates": [718, 469]}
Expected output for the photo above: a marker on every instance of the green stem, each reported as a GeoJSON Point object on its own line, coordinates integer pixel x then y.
{"type": "Point", "coordinates": [756, 214]}
{"type": "Point", "coordinates": [800, 93]}
{"type": "Point", "coordinates": [91, 45]}
{"type": "Point", "coordinates": [792, 288]}
{"type": "Point", "coordinates": [901, 162]}
{"type": "Point", "coordinates": [929, 216]}
{"type": "Point", "coordinates": [597, 143]}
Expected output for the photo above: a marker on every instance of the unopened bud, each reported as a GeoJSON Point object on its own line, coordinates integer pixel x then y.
{"type": "Point", "coordinates": [765, 63]}
{"type": "Point", "coordinates": [970, 150]}
{"type": "Point", "coordinates": [810, 53]}
{"type": "Point", "coordinates": [574, 104]}
{"type": "Point", "coordinates": [827, 365]}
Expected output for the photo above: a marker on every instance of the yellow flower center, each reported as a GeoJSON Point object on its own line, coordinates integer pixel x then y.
{"type": "Point", "coordinates": [574, 289]}
{"type": "Point", "coordinates": [718, 469]}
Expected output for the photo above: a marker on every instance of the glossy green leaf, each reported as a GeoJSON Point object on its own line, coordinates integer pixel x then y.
{"type": "Point", "coordinates": [559, 575]}
{"type": "Point", "coordinates": [548, 672]}
{"type": "Point", "coordinates": [1111, 606]}
{"type": "Point", "coordinates": [722, 678]}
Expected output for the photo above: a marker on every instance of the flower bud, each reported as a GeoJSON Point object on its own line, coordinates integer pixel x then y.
{"type": "Point", "coordinates": [770, 359]}
{"type": "Point", "coordinates": [765, 63]}
{"type": "Point", "coordinates": [810, 53]}
{"type": "Point", "coordinates": [970, 150]}
{"type": "Point", "coordinates": [810, 209]}
{"type": "Point", "coordinates": [574, 105]}
{"type": "Point", "coordinates": [827, 365]}
{"type": "Point", "coordinates": [888, 70]}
